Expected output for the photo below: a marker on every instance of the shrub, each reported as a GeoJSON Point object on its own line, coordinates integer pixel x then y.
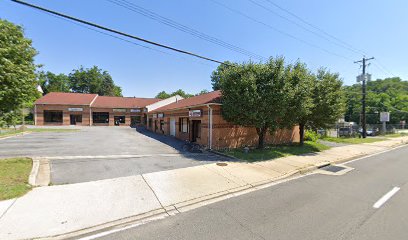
{"type": "Point", "coordinates": [311, 136]}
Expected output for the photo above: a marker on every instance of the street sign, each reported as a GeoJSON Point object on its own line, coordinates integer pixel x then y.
{"type": "Point", "coordinates": [384, 116]}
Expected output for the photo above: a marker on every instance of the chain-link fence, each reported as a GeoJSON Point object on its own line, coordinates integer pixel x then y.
{"type": "Point", "coordinates": [355, 130]}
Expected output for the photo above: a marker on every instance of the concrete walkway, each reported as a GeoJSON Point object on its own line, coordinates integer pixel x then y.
{"type": "Point", "coordinates": [69, 210]}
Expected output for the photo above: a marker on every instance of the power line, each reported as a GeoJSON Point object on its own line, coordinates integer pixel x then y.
{"type": "Point", "coordinates": [304, 28]}
{"type": "Point", "coordinates": [315, 27]}
{"type": "Point", "coordinates": [117, 32]}
{"type": "Point", "coordinates": [171, 23]}
{"type": "Point", "coordinates": [278, 30]}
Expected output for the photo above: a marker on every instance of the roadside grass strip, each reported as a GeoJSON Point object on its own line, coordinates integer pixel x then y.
{"type": "Point", "coordinates": [353, 140]}
{"type": "Point", "coordinates": [14, 173]}
{"type": "Point", "coordinates": [273, 152]}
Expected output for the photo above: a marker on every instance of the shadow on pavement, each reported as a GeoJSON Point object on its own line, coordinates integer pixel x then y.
{"type": "Point", "coordinates": [178, 145]}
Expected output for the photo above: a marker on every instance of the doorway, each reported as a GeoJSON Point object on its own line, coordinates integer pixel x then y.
{"type": "Point", "coordinates": [119, 120]}
{"type": "Point", "coordinates": [196, 130]}
{"type": "Point", "coordinates": [75, 118]}
{"type": "Point", "coordinates": [172, 127]}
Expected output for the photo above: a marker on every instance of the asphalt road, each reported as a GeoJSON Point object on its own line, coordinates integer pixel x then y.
{"type": "Point", "coordinates": [96, 153]}
{"type": "Point", "coordinates": [313, 207]}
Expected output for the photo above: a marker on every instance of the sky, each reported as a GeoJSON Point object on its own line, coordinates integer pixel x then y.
{"type": "Point", "coordinates": [369, 27]}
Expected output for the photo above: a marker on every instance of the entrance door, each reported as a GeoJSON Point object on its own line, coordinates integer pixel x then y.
{"type": "Point", "coordinates": [172, 127]}
{"type": "Point", "coordinates": [75, 118]}
{"type": "Point", "coordinates": [196, 130]}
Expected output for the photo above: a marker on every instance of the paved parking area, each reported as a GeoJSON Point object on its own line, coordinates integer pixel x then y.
{"type": "Point", "coordinates": [96, 153]}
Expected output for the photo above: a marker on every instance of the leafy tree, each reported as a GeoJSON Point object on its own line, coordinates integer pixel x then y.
{"type": "Point", "coordinates": [216, 75]}
{"type": "Point", "coordinates": [253, 96]}
{"type": "Point", "coordinates": [51, 82]}
{"type": "Point", "coordinates": [328, 100]}
{"type": "Point", "coordinates": [383, 95]}
{"type": "Point", "coordinates": [180, 92]}
{"type": "Point", "coordinates": [300, 84]}
{"type": "Point", "coordinates": [93, 80]}
{"type": "Point", "coordinates": [17, 71]}
{"type": "Point", "coordinates": [204, 91]}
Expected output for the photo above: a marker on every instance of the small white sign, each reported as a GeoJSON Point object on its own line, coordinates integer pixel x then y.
{"type": "Point", "coordinates": [194, 113]}
{"type": "Point", "coordinates": [154, 115]}
{"type": "Point", "coordinates": [119, 109]}
{"type": "Point", "coordinates": [160, 115]}
{"type": "Point", "coordinates": [384, 116]}
{"type": "Point", "coordinates": [135, 110]}
{"type": "Point", "coordinates": [75, 109]}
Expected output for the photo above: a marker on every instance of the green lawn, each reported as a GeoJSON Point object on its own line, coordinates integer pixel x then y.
{"type": "Point", "coordinates": [11, 132]}
{"type": "Point", "coordinates": [14, 174]}
{"type": "Point", "coordinates": [354, 140]}
{"type": "Point", "coordinates": [273, 152]}
{"type": "Point", "coordinates": [393, 135]}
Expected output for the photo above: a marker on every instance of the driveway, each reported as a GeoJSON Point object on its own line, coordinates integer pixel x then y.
{"type": "Point", "coordinates": [96, 153]}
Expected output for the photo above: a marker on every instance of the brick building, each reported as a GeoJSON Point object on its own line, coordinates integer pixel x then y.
{"type": "Point", "coordinates": [198, 119]}
{"type": "Point", "coordinates": [58, 108]}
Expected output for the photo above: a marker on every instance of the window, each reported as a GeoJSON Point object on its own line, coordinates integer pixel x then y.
{"type": "Point", "coordinates": [100, 117]}
{"type": "Point", "coordinates": [150, 123]}
{"type": "Point", "coordinates": [183, 125]}
{"type": "Point", "coordinates": [52, 116]}
{"type": "Point", "coordinates": [135, 120]}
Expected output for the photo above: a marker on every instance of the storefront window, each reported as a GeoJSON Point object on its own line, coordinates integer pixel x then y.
{"type": "Point", "coordinates": [100, 117]}
{"type": "Point", "coordinates": [161, 125]}
{"type": "Point", "coordinates": [52, 116]}
{"type": "Point", "coordinates": [183, 125]}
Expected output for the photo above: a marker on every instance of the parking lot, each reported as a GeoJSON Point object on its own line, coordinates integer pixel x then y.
{"type": "Point", "coordinates": [96, 153]}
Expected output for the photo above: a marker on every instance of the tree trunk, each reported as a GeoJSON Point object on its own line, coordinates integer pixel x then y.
{"type": "Point", "coordinates": [302, 133]}
{"type": "Point", "coordinates": [261, 137]}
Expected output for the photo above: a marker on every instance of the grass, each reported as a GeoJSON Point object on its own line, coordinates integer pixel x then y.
{"type": "Point", "coordinates": [14, 174]}
{"type": "Point", "coordinates": [393, 135]}
{"type": "Point", "coordinates": [11, 132]}
{"type": "Point", "coordinates": [353, 140]}
{"type": "Point", "coordinates": [273, 152]}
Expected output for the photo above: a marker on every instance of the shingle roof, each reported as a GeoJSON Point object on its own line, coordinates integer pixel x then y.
{"type": "Point", "coordinates": [211, 97]}
{"type": "Point", "coordinates": [66, 98]}
{"type": "Point", "coordinates": [122, 102]}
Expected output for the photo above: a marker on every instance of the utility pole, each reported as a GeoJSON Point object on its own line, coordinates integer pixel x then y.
{"type": "Point", "coordinates": [363, 100]}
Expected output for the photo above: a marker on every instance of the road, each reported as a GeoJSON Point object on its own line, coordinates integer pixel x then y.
{"type": "Point", "coordinates": [313, 207]}
{"type": "Point", "coordinates": [96, 153]}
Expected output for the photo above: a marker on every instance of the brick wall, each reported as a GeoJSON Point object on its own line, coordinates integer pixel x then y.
{"type": "Point", "coordinates": [39, 114]}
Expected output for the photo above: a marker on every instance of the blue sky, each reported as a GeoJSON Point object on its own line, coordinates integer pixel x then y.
{"type": "Point", "coordinates": [376, 27]}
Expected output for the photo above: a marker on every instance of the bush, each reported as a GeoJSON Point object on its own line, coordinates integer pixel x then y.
{"type": "Point", "coordinates": [311, 136]}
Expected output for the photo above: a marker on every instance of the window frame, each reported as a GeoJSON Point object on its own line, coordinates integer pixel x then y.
{"type": "Point", "coordinates": [97, 115]}
{"type": "Point", "coordinates": [55, 114]}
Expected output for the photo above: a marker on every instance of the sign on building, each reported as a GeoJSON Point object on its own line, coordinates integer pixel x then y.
{"type": "Point", "coordinates": [384, 116]}
{"type": "Point", "coordinates": [75, 109]}
{"type": "Point", "coordinates": [194, 113]}
{"type": "Point", "coordinates": [136, 110]}
{"type": "Point", "coordinates": [154, 115]}
{"type": "Point", "coordinates": [119, 110]}
{"type": "Point", "coordinates": [160, 115]}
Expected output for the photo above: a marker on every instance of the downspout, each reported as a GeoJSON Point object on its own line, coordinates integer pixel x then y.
{"type": "Point", "coordinates": [210, 126]}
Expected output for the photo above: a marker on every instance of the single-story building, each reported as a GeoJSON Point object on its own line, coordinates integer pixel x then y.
{"type": "Point", "coordinates": [57, 108]}
{"type": "Point", "coordinates": [198, 119]}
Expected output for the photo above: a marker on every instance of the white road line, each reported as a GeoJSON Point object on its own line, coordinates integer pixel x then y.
{"type": "Point", "coordinates": [386, 197]}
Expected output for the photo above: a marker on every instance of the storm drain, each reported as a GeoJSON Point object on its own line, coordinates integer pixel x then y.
{"type": "Point", "coordinates": [332, 168]}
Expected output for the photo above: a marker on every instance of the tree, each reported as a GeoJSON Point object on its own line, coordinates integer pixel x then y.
{"type": "Point", "coordinates": [204, 91]}
{"type": "Point", "coordinates": [51, 82]}
{"type": "Point", "coordinates": [180, 92]}
{"type": "Point", "coordinates": [299, 88]}
{"type": "Point", "coordinates": [215, 76]}
{"type": "Point", "coordinates": [93, 80]}
{"type": "Point", "coordinates": [17, 71]}
{"type": "Point", "coordinates": [253, 96]}
{"type": "Point", "coordinates": [328, 100]}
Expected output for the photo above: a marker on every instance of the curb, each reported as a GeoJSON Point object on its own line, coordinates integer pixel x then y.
{"type": "Point", "coordinates": [40, 172]}
{"type": "Point", "coordinates": [133, 221]}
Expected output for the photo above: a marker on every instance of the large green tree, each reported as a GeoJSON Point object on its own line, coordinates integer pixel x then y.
{"type": "Point", "coordinates": [253, 95]}
{"type": "Point", "coordinates": [383, 95]}
{"type": "Point", "coordinates": [299, 88]}
{"type": "Point", "coordinates": [51, 82]}
{"type": "Point", "coordinates": [18, 83]}
{"type": "Point", "coordinates": [180, 92]}
{"type": "Point", "coordinates": [93, 80]}
{"type": "Point", "coordinates": [216, 74]}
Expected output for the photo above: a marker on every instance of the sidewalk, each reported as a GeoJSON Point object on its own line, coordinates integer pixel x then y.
{"type": "Point", "coordinates": [63, 209]}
